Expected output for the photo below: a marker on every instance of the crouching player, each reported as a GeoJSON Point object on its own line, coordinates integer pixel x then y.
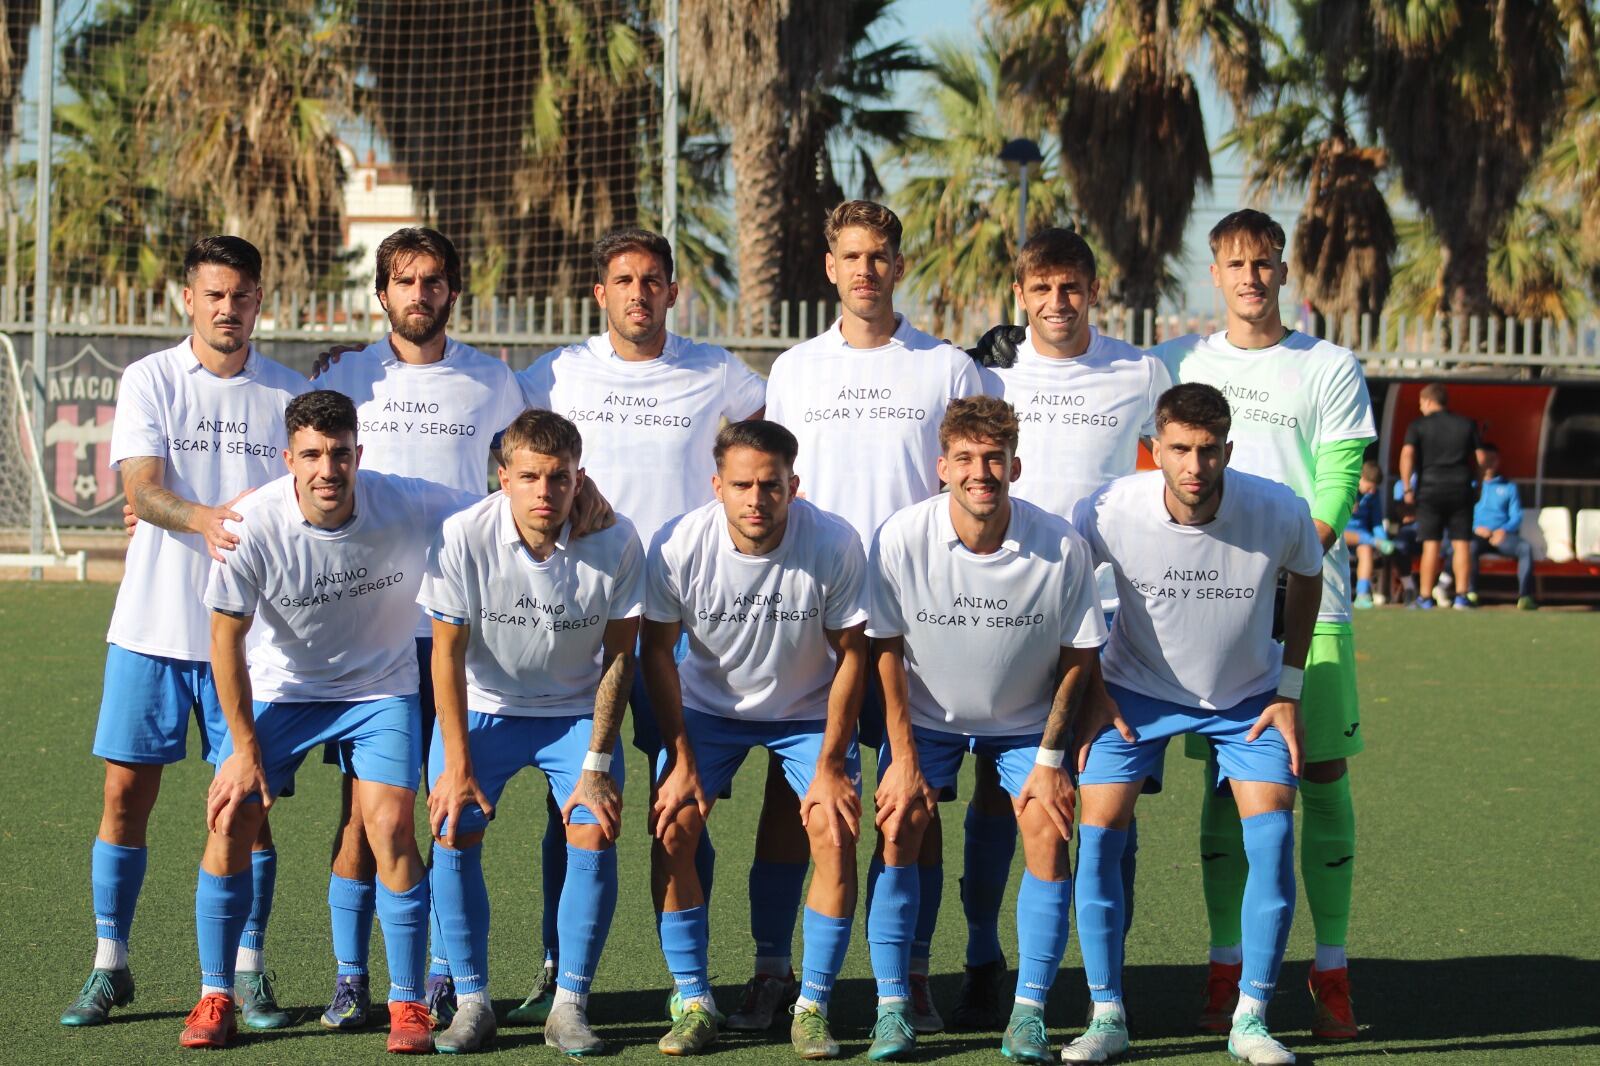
{"type": "Point", "coordinates": [985, 620]}
{"type": "Point", "coordinates": [328, 562]}
{"type": "Point", "coordinates": [1196, 557]}
{"type": "Point", "coordinates": [771, 591]}
{"type": "Point", "coordinates": [534, 632]}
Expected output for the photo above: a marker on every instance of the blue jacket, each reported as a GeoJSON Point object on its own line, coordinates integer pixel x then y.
{"type": "Point", "coordinates": [1499, 507]}
{"type": "Point", "coordinates": [1368, 514]}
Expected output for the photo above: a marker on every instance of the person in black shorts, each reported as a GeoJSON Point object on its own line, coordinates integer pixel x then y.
{"type": "Point", "coordinates": [1442, 450]}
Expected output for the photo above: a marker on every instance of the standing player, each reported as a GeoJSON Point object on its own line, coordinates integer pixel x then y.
{"type": "Point", "coordinates": [654, 401]}
{"type": "Point", "coordinates": [330, 558]}
{"type": "Point", "coordinates": [1301, 417]}
{"type": "Point", "coordinates": [1083, 400]}
{"type": "Point", "coordinates": [864, 400]}
{"type": "Point", "coordinates": [534, 631]}
{"type": "Point", "coordinates": [771, 593]}
{"type": "Point", "coordinates": [196, 425]}
{"type": "Point", "coordinates": [429, 407]}
{"type": "Point", "coordinates": [1196, 556]}
{"type": "Point", "coordinates": [986, 621]}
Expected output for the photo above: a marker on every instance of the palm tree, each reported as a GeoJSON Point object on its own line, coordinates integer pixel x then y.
{"type": "Point", "coordinates": [247, 98]}
{"type": "Point", "coordinates": [959, 203]}
{"type": "Point", "coordinates": [1465, 95]}
{"type": "Point", "coordinates": [758, 66]}
{"type": "Point", "coordinates": [1304, 134]}
{"type": "Point", "coordinates": [16, 22]}
{"type": "Point", "coordinates": [1133, 140]}
{"type": "Point", "coordinates": [1570, 169]}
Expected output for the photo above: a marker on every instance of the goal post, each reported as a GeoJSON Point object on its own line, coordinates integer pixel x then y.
{"type": "Point", "coordinates": [29, 537]}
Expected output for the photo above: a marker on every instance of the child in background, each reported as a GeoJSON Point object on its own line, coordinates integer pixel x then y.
{"type": "Point", "coordinates": [1365, 534]}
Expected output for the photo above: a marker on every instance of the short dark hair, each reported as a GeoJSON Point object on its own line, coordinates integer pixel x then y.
{"type": "Point", "coordinates": [867, 215]}
{"type": "Point", "coordinates": [414, 241]}
{"type": "Point", "coordinates": [1195, 404]}
{"type": "Point", "coordinates": [759, 434]}
{"type": "Point", "coordinates": [1489, 446]}
{"type": "Point", "coordinates": [630, 239]}
{"type": "Point", "coordinates": [1371, 471]}
{"type": "Point", "coordinates": [543, 432]}
{"type": "Point", "coordinates": [1434, 392]}
{"type": "Point", "coordinates": [1052, 250]}
{"type": "Point", "coordinates": [223, 250]}
{"type": "Point", "coordinates": [1249, 224]}
{"type": "Point", "coordinates": [322, 411]}
{"type": "Point", "coordinates": [979, 418]}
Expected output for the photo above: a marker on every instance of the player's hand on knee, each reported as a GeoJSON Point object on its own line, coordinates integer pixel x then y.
{"type": "Point", "coordinates": [1100, 712]}
{"type": "Point", "coordinates": [591, 512]}
{"type": "Point", "coordinates": [679, 788]}
{"type": "Point", "coordinates": [1284, 716]}
{"type": "Point", "coordinates": [239, 775]}
{"type": "Point", "coordinates": [331, 356]}
{"type": "Point", "coordinates": [901, 795]}
{"type": "Point", "coordinates": [598, 792]}
{"type": "Point", "coordinates": [455, 790]}
{"type": "Point", "coordinates": [1051, 788]}
{"type": "Point", "coordinates": [832, 796]}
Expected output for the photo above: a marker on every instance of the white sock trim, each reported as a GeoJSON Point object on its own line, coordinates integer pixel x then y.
{"type": "Point", "coordinates": [110, 954]}
{"type": "Point", "coordinates": [480, 997]}
{"type": "Point", "coordinates": [1330, 957]}
{"type": "Point", "coordinates": [215, 990]}
{"type": "Point", "coordinates": [806, 1003]}
{"type": "Point", "coordinates": [1026, 1002]}
{"type": "Point", "coordinates": [1250, 1005]}
{"type": "Point", "coordinates": [1228, 954]}
{"type": "Point", "coordinates": [248, 960]}
{"type": "Point", "coordinates": [1102, 1007]}
{"type": "Point", "coordinates": [566, 995]}
{"type": "Point", "coordinates": [888, 1001]}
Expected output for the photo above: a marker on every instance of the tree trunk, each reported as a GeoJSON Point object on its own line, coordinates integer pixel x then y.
{"type": "Point", "coordinates": [1464, 281]}
{"type": "Point", "coordinates": [759, 148]}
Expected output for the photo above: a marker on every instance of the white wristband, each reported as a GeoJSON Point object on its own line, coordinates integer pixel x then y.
{"type": "Point", "coordinates": [1055, 758]}
{"type": "Point", "coordinates": [1291, 682]}
{"type": "Point", "coordinates": [598, 761]}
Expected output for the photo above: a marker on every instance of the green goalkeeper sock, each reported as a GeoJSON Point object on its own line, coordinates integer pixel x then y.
{"type": "Point", "coordinates": [1223, 866]}
{"type": "Point", "coordinates": [1328, 856]}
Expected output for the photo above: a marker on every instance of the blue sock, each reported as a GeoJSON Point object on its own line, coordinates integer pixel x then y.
{"type": "Point", "coordinates": [1363, 586]}
{"type": "Point", "coordinates": [351, 907]}
{"type": "Point", "coordinates": [826, 941]}
{"type": "Point", "coordinates": [263, 882]}
{"type": "Point", "coordinates": [930, 886]}
{"type": "Point", "coordinates": [404, 917]}
{"type": "Point", "coordinates": [461, 914]}
{"type": "Point", "coordinates": [1044, 918]}
{"type": "Point", "coordinates": [1130, 864]}
{"type": "Point", "coordinates": [891, 923]}
{"type": "Point", "coordinates": [553, 869]}
{"type": "Point", "coordinates": [1268, 899]}
{"type": "Point", "coordinates": [987, 847]}
{"type": "Point", "coordinates": [775, 891]}
{"type": "Point", "coordinates": [684, 936]}
{"type": "Point", "coordinates": [221, 905]}
{"type": "Point", "coordinates": [705, 865]}
{"type": "Point", "coordinates": [116, 874]}
{"type": "Point", "coordinates": [438, 952]}
{"type": "Point", "coordinates": [1099, 903]}
{"type": "Point", "coordinates": [588, 900]}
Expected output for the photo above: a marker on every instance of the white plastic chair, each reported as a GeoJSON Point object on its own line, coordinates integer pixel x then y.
{"type": "Point", "coordinates": [1555, 528]}
{"type": "Point", "coordinates": [1587, 546]}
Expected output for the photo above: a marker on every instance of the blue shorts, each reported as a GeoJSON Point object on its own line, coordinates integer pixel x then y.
{"type": "Point", "coordinates": [1113, 760]}
{"type": "Point", "coordinates": [378, 740]}
{"type": "Point", "coordinates": [145, 708]}
{"type": "Point", "coordinates": [940, 754]}
{"type": "Point", "coordinates": [720, 745]}
{"type": "Point", "coordinates": [330, 752]}
{"type": "Point", "coordinates": [646, 734]}
{"type": "Point", "coordinates": [502, 744]}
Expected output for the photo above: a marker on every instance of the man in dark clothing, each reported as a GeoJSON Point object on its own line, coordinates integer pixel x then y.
{"type": "Point", "coordinates": [1442, 450]}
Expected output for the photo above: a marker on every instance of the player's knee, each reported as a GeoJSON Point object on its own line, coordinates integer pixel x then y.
{"type": "Point", "coordinates": [1325, 773]}
{"type": "Point", "coordinates": [388, 826]}
{"type": "Point", "coordinates": [829, 838]}
{"type": "Point", "coordinates": [589, 837]}
{"type": "Point", "coordinates": [681, 835]}
{"type": "Point", "coordinates": [463, 841]}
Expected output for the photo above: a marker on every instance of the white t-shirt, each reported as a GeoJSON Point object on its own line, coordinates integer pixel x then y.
{"type": "Point", "coordinates": [535, 645]}
{"type": "Point", "coordinates": [1080, 419]}
{"type": "Point", "coordinates": [983, 633]}
{"type": "Point", "coordinates": [334, 610]}
{"type": "Point", "coordinates": [217, 437]}
{"type": "Point", "coordinates": [757, 624]}
{"type": "Point", "coordinates": [868, 419]}
{"type": "Point", "coordinates": [1195, 622]}
{"type": "Point", "coordinates": [648, 427]}
{"type": "Point", "coordinates": [431, 420]}
{"type": "Point", "coordinates": [1287, 401]}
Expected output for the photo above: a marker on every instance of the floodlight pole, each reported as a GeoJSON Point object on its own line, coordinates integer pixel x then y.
{"type": "Point", "coordinates": [1020, 155]}
{"type": "Point", "coordinates": [669, 132]}
{"type": "Point", "coordinates": [41, 264]}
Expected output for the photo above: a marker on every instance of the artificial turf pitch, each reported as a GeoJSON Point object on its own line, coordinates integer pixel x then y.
{"type": "Point", "coordinates": [1475, 937]}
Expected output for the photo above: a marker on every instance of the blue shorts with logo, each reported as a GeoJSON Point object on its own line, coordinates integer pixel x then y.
{"type": "Point", "coordinates": [646, 734]}
{"type": "Point", "coordinates": [377, 740]}
{"type": "Point", "coordinates": [940, 754]}
{"type": "Point", "coordinates": [720, 745]}
{"type": "Point", "coordinates": [146, 704]}
{"type": "Point", "coordinates": [502, 744]}
{"type": "Point", "coordinates": [1113, 760]}
{"type": "Point", "coordinates": [330, 752]}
